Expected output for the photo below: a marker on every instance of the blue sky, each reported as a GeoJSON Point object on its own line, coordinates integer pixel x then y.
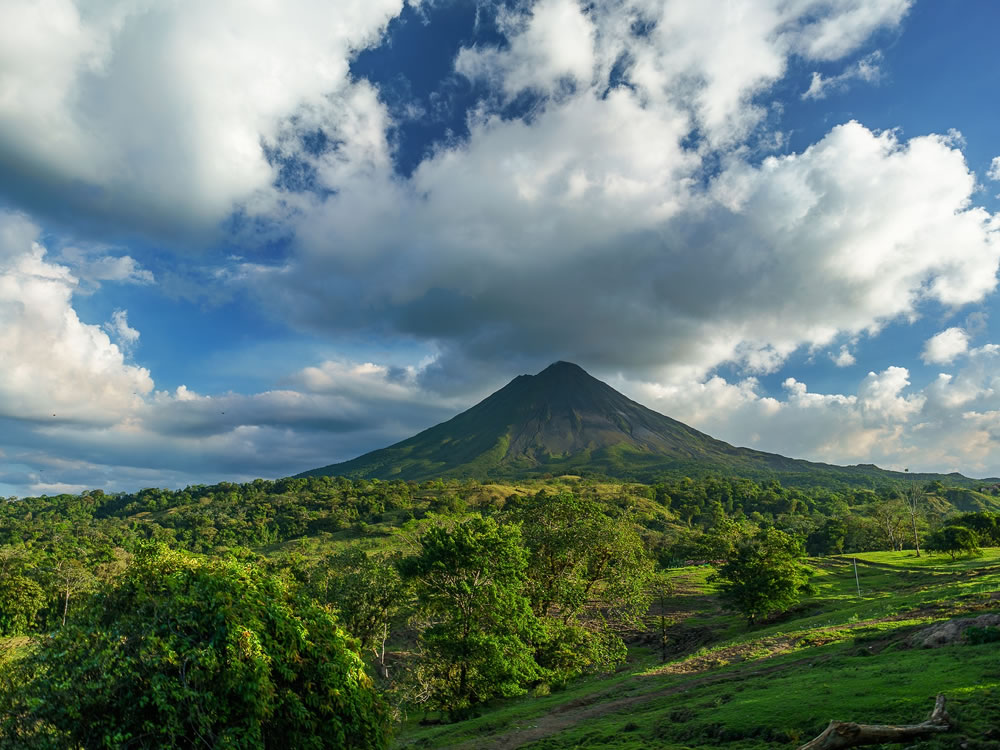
{"type": "Point", "coordinates": [247, 239]}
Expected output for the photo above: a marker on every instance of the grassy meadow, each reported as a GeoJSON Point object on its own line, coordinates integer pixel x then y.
{"type": "Point", "coordinates": [835, 656]}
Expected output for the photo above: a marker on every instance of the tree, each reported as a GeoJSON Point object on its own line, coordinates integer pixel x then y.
{"type": "Point", "coordinates": [468, 580]}
{"type": "Point", "coordinates": [762, 574]}
{"type": "Point", "coordinates": [827, 539]}
{"type": "Point", "coordinates": [588, 577]}
{"type": "Point", "coordinates": [21, 599]}
{"type": "Point", "coordinates": [662, 588]}
{"type": "Point", "coordinates": [70, 577]}
{"type": "Point", "coordinates": [183, 653]}
{"type": "Point", "coordinates": [890, 517]}
{"type": "Point", "coordinates": [914, 494]}
{"type": "Point", "coordinates": [955, 540]}
{"type": "Point", "coordinates": [368, 594]}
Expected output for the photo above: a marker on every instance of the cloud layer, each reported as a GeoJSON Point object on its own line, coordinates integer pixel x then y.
{"type": "Point", "coordinates": [621, 195]}
{"type": "Point", "coordinates": [150, 117]}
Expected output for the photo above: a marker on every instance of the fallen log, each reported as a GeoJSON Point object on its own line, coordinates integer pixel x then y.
{"type": "Point", "coordinates": [841, 734]}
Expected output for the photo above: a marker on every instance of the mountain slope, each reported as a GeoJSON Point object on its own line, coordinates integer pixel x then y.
{"type": "Point", "coordinates": [563, 420]}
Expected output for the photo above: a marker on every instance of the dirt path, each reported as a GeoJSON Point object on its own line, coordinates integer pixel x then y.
{"type": "Point", "coordinates": [583, 709]}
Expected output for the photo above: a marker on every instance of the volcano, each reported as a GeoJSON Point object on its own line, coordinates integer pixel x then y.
{"type": "Point", "coordinates": [565, 421]}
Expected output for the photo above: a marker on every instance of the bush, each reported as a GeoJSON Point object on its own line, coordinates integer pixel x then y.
{"type": "Point", "coordinates": [955, 540]}
{"type": "Point", "coordinates": [978, 636]}
{"type": "Point", "coordinates": [182, 653]}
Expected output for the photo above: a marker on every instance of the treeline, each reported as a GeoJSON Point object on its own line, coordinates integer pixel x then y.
{"type": "Point", "coordinates": [52, 549]}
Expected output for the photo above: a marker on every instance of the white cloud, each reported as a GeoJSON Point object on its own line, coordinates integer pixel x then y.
{"type": "Point", "coordinates": [55, 366]}
{"type": "Point", "coordinates": [844, 358]}
{"type": "Point", "coordinates": [151, 115]}
{"type": "Point", "coordinates": [551, 43]}
{"type": "Point", "coordinates": [705, 59]}
{"type": "Point", "coordinates": [595, 221]}
{"type": "Point", "coordinates": [584, 228]}
{"type": "Point", "coordinates": [336, 411]}
{"type": "Point", "coordinates": [944, 347]}
{"type": "Point", "coordinates": [95, 266]}
{"type": "Point", "coordinates": [993, 172]}
{"type": "Point", "coordinates": [867, 69]}
{"type": "Point", "coordinates": [118, 327]}
{"type": "Point", "coordinates": [949, 425]}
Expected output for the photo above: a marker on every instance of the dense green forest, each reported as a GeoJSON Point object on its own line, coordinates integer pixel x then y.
{"type": "Point", "coordinates": [426, 600]}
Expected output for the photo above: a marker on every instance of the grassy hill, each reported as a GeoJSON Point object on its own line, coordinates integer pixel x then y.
{"type": "Point", "coordinates": [836, 656]}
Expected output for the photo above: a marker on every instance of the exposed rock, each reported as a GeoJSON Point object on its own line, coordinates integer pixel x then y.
{"type": "Point", "coordinates": [950, 631]}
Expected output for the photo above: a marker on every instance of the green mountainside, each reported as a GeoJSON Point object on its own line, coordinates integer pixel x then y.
{"type": "Point", "coordinates": [564, 421]}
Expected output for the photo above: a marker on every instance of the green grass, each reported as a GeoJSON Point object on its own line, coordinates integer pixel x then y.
{"type": "Point", "coordinates": [836, 655]}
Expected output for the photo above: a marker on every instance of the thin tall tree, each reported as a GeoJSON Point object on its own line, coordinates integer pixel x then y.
{"type": "Point", "coordinates": [912, 497]}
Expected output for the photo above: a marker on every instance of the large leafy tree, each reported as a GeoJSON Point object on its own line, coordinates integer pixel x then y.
{"type": "Point", "coordinates": [762, 574]}
{"type": "Point", "coordinates": [369, 596]}
{"type": "Point", "coordinates": [21, 599]}
{"type": "Point", "coordinates": [468, 580]}
{"type": "Point", "coordinates": [587, 579]}
{"type": "Point", "coordinates": [183, 653]}
{"type": "Point", "coordinates": [955, 540]}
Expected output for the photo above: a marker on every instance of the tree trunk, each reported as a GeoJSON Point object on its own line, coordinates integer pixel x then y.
{"type": "Point", "coordinates": [842, 734]}
{"type": "Point", "coordinates": [911, 504]}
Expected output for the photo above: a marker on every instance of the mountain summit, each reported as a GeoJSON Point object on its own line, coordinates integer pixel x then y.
{"type": "Point", "coordinates": [563, 420]}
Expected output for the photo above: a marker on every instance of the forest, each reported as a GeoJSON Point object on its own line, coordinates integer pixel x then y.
{"type": "Point", "coordinates": [337, 611]}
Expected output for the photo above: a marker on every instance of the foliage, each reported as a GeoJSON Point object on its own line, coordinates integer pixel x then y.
{"type": "Point", "coordinates": [187, 653]}
{"type": "Point", "coordinates": [955, 540]}
{"type": "Point", "coordinates": [587, 577]}
{"type": "Point", "coordinates": [978, 636]}
{"type": "Point", "coordinates": [762, 574]}
{"type": "Point", "coordinates": [828, 539]}
{"type": "Point", "coordinates": [368, 594]}
{"type": "Point", "coordinates": [21, 599]}
{"type": "Point", "coordinates": [468, 581]}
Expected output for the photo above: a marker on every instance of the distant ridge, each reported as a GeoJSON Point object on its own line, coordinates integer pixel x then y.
{"type": "Point", "coordinates": [565, 421]}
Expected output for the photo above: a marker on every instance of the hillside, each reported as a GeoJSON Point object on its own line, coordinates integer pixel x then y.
{"type": "Point", "coordinates": [564, 421]}
{"type": "Point", "coordinates": [836, 656]}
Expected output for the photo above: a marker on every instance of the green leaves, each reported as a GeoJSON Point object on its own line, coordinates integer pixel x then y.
{"type": "Point", "coordinates": [476, 644]}
{"type": "Point", "coordinates": [587, 578]}
{"type": "Point", "coordinates": [183, 652]}
{"type": "Point", "coordinates": [955, 540]}
{"type": "Point", "coordinates": [762, 573]}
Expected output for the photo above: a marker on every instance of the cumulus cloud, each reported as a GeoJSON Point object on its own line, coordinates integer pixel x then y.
{"type": "Point", "coordinates": [948, 425]}
{"type": "Point", "coordinates": [944, 347]}
{"type": "Point", "coordinates": [56, 367]}
{"type": "Point", "coordinates": [119, 328]}
{"type": "Point", "coordinates": [151, 116]}
{"type": "Point", "coordinates": [596, 225]}
{"type": "Point", "coordinates": [844, 358]}
{"type": "Point", "coordinates": [590, 240]}
{"type": "Point", "coordinates": [707, 60]}
{"type": "Point", "coordinates": [551, 44]}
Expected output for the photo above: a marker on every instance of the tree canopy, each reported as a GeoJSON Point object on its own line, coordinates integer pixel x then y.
{"type": "Point", "coordinates": [187, 653]}
{"type": "Point", "coordinates": [762, 574]}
